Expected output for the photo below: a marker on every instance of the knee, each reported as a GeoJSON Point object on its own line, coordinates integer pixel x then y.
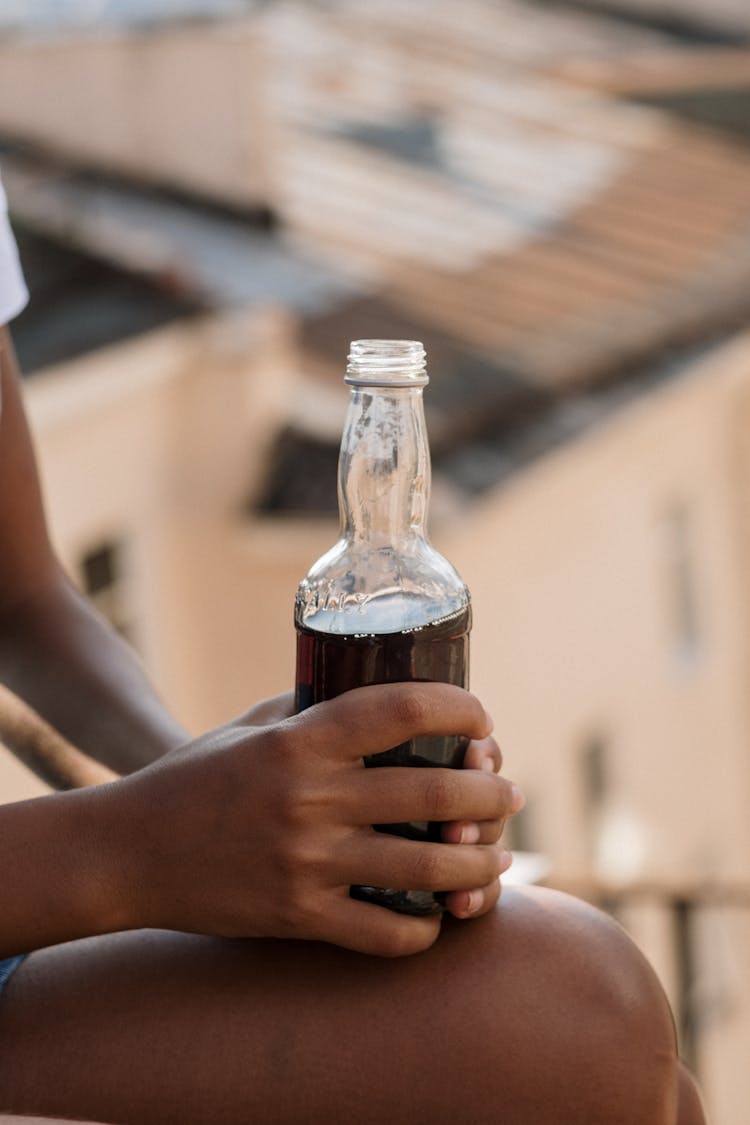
{"type": "Point", "coordinates": [574, 1009]}
{"type": "Point", "coordinates": [690, 1107]}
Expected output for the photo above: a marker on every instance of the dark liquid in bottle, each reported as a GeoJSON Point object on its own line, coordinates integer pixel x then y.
{"type": "Point", "coordinates": [329, 664]}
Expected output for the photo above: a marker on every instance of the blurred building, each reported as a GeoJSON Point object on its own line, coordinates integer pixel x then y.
{"type": "Point", "coordinates": [557, 202]}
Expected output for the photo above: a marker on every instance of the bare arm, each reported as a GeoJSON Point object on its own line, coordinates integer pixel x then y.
{"type": "Point", "coordinates": [55, 650]}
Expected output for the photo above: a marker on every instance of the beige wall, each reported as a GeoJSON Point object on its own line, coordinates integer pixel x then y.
{"type": "Point", "coordinates": [158, 443]}
{"type": "Point", "coordinates": [182, 106]}
{"type": "Point", "coordinates": [570, 571]}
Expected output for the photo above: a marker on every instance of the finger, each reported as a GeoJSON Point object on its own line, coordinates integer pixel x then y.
{"type": "Point", "coordinates": [471, 832]}
{"type": "Point", "coordinates": [376, 859]}
{"type": "Point", "coordinates": [471, 904]}
{"type": "Point", "coordinates": [396, 794]}
{"type": "Point", "coordinates": [269, 711]}
{"type": "Point", "coordinates": [368, 928]}
{"type": "Point", "coordinates": [372, 719]}
{"type": "Point", "coordinates": [483, 754]}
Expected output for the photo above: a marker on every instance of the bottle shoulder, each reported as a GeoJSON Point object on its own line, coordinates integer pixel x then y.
{"type": "Point", "coordinates": [365, 588]}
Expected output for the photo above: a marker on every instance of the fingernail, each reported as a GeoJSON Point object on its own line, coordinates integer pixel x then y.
{"type": "Point", "coordinates": [469, 834]}
{"type": "Point", "coordinates": [490, 721]}
{"type": "Point", "coordinates": [506, 858]}
{"type": "Point", "coordinates": [518, 798]}
{"type": "Point", "coordinates": [475, 900]}
{"type": "Point", "coordinates": [488, 764]}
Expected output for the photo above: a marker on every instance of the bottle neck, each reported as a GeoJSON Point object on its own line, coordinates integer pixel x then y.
{"type": "Point", "coordinates": [384, 467]}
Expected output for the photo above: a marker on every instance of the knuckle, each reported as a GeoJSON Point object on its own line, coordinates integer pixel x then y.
{"type": "Point", "coordinates": [309, 913]}
{"type": "Point", "coordinates": [441, 792]}
{"type": "Point", "coordinates": [492, 831]}
{"type": "Point", "coordinates": [491, 894]}
{"type": "Point", "coordinates": [278, 741]}
{"type": "Point", "coordinates": [286, 903]}
{"type": "Point", "coordinates": [498, 753]}
{"type": "Point", "coordinates": [475, 702]}
{"type": "Point", "coordinates": [288, 813]}
{"type": "Point", "coordinates": [296, 905]}
{"type": "Point", "coordinates": [428, 870]}
{"type": "Point", "coordinates": [413, 708]}
{"type": "Point", "coordinates": [285, 918]}
{"type": "Point", "coordinates": [298, 804]}
{"type": "Point", "coordinates": [287, 870]}
{"type": "Point", "coordinates": [480, 713]}
{"type": "Point", "coordinates": [492, 864]}
{"type": "Point", "coordinates": [501, 797]}
{"type": "Point", "coordinates": [298, 863]}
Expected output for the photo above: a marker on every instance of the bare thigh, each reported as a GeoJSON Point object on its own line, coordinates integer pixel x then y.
{"type": "Point", "coordinates": [541, 1012]}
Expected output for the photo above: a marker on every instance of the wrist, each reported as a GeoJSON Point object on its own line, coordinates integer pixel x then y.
{"type": "Point", "coordinates": [107, 899]}
{"type": "Point", "coordinates": [62, 875]}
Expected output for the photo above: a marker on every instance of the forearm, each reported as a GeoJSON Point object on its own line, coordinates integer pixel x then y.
{"type": "Point", "coordinates": [69, 665]}
{"type": "Point", "coordinates": [60, 869]}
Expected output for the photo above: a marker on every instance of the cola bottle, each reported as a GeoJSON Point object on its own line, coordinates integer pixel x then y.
{"type": "Point", "coordinates": [382, 605]}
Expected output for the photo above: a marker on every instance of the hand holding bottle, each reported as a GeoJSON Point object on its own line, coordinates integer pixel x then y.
{"type": "Point", "coordinates": [261, 827]}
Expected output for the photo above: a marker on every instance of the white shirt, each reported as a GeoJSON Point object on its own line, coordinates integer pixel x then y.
{"type": "Point", "coordinates": [13, 291]}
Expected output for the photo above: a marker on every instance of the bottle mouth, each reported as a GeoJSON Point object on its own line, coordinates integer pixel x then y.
{"type": "Point", "coordinates": [386, 363]}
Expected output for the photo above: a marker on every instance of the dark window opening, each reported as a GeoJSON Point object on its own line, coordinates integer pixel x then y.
{"type": "Point", "coordinates": [104, 578]}
{"type": "Point", "coordinates": [683, 586]}
{"type": "Point", "coordinates": [595, 787]}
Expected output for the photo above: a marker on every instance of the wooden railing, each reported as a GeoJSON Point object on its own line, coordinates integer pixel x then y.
{"type": "Point", "coordinates": [43, 750]}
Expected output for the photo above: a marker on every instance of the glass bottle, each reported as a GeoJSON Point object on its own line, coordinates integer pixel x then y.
{"type": "Point", "coordinates": [383, 606]}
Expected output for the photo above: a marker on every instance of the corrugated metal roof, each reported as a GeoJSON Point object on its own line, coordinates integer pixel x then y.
{"type": "Point", "coordinates": [95, 14]}
{"type": "Point", "coordinates": [78, 304]}
{"type": "Point", "coordinates": [556, 248]}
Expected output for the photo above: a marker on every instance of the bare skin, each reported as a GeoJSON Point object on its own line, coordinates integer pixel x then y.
{"type": "Point", "coordinates": [538, 1011]}
{"type": "Point", "coordinates": [689, 1104]}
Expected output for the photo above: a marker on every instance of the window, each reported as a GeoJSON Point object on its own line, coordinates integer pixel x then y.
{"type": "Point", "coordinates": [594, 792]}
{"type": "Point", "coordinates": [104, 580]}
{"type": "Point", "coordinates": [615, 836]}
{"type": "Point", "coordinates": [684, 606]}
{"type": "Point", "coordinates": [683, 911]}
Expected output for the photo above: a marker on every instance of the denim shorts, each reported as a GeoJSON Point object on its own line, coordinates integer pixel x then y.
{"type": "Point", "coordinates": [8, 967]}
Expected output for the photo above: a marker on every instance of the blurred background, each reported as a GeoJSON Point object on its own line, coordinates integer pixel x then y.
{"type": "Point", "coordinates": [212, 199]}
